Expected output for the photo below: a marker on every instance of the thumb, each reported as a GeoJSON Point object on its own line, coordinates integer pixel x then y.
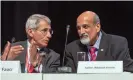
{"type": "Point", "coordinates": [6, 50]}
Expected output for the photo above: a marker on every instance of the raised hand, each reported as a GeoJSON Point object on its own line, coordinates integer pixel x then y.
{"type": "Point", "coordinates": [11, 52]}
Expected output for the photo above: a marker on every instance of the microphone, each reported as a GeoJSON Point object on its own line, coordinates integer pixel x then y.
{"type": "Point", "coordinates": [67, 30]}
{"type": "Point", "coordinates": [13, 40]}
{"type": "Point", "coordinates": [65, 69]}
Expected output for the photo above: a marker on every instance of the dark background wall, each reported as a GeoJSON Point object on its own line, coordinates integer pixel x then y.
{"type": "Point", "coordinates": [116, 18]}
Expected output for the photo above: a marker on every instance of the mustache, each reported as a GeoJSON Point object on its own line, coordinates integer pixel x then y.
{"type": "Point", "coordinates": [84, 35]}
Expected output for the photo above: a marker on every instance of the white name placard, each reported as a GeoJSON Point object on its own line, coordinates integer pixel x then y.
{"type": "Point", "coordinates": [100, 67]}
{"type": "Point", "coordinates": [10, 67]}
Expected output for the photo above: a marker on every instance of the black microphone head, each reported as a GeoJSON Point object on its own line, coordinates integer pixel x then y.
{"type": "Point", "coordinates": [13, 40]}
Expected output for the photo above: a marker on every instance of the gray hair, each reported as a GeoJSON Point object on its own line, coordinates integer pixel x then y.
{"type": "Point", "coordinates": [34, 20]}
{"type": "Point", "coordinates": [96, 19]}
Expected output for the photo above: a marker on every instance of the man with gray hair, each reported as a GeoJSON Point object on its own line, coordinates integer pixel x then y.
{"type": "Point", "coordinates": [33, 53]}
{"type": "Point", "coordinates": [96, 44]}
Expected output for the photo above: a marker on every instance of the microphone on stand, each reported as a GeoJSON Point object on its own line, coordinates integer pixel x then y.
{"type": "Point", "coordinates": [65, 69]}
{"type": "Point", "coordinates": [67, 30]}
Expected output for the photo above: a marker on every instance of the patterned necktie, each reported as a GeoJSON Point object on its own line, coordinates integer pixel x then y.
{"type": "Point", "coordinates": [92, 51]}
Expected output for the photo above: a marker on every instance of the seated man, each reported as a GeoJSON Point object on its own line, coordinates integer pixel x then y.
{"type": "Point", "coordinates": [39, 32]}
{"type": "Point", "coordinates": [98, 45]}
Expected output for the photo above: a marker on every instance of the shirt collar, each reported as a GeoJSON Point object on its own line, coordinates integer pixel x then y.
{"type": "Point", "coordinates": [97, 43]}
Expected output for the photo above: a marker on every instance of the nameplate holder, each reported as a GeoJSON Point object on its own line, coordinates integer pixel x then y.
{"type": "Point", "coordinates": [100, 67]}
{"type": "Point", "coordinates": [10, 67]}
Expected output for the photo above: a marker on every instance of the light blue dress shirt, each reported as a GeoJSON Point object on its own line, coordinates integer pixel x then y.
{"type": "Point", "coordinates": [96, 45]}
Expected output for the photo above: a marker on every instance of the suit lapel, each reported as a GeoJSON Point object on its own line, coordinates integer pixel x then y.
{"type": "Point", "coordinates": [23, 60]}
{"type": "Point", "coordinates": [103, 48]}
{"type": "Point", "coordinates": [22, 56]}
{"type": "Point", "coordinates": [45, 60]}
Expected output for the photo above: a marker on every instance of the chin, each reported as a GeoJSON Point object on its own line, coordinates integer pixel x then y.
{"type": "Point", "coordinates": [85, 41]}
{"type": "Point", "coordinates": [43, 45]}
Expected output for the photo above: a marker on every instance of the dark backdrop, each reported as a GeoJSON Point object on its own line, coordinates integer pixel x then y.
{"type": "Point", "coordinates": [116, 18]}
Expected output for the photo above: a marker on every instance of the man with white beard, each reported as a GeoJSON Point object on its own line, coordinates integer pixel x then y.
{"type": "Point", "coordinates": [96, 44]}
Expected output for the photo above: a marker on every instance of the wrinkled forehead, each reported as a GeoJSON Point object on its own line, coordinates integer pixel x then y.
{"type": "Point", "coordinates": [84, 20]}
{"type": "Point", "coordinates": [44, 24]}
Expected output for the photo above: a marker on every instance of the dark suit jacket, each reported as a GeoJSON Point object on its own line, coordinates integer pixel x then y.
{"type": "Point", "coordinates": [115, 49]}
{"type": "Point", "coordinates": [50, 62]}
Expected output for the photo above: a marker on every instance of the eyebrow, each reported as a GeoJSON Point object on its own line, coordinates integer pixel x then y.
{"type": "Point", "coordinates": [82, 25]}
{"type": "Point", "coordinates": [47, 28]}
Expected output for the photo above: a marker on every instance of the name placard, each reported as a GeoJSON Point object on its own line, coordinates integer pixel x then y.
{"type": "Point", "coordinates": [10, 67]}
{"type": "Point", "coordinates": [100, 67]}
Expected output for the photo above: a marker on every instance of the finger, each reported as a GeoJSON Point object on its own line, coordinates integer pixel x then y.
{"type": "Point", "coordinates": [7, 44]}
{"type": "Point", "coordinates": [17, 52]}
{"type": "Point", "coordinates": [6, 50]}
{"type": "Point", "coordinates": [16, 49]}
{"type": "Point", "coordinates": [7, 47]}
{"type": "Point", "coordinates": [17, 46]}
{"type": "Point", "coordinates": [13, 54]}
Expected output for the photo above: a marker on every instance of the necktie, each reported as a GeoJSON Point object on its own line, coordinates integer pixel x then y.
{"type": "Point", "coordinates": [30, 67]}
{"type": "Point", "coordinates": [92, 51]}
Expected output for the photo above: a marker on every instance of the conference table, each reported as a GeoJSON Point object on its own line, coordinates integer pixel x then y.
{"type": "Point", "coordinates": [66, 76]}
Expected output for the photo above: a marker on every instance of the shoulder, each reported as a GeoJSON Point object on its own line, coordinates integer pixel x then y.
{"type": "Point", "coordinates": [53, 53]}
{"type": "Point", "coordinates": [118, 42]}
{"type": "Point", "coordinates": [116, 39]}
{"type": "Point", "coordinates": [73, 43]}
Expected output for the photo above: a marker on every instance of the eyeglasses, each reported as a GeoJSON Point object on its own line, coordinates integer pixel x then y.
{"type": "Point", "coordinates": [46, 30]}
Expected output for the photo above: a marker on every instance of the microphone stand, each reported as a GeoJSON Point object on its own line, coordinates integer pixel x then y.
{"type": "Point", "coordinates": [65, 69]}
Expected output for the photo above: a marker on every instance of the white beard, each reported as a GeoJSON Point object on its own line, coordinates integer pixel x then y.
{"type": "Point", "coordinates": [85, 41]}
